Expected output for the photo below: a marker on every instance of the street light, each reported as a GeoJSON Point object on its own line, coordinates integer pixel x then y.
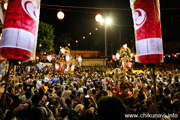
{"type": "Point", "coordinates": [106, 22]}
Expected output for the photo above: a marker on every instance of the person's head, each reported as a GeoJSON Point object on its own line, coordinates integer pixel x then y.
{"type": "Point", "coordinates": [85, 90]}
{"type": "Point", "coordinates": [167, 91]}
{"type": "Point", "coordinates": [51, 90]}
{"type": "Point", "coordinates": [166, 102]}
{"type": "Point", "coordinates": [169, 81]}
{"type": "Point", "coordinates": [28, 95]}
{"type": "Point", "coordinates": [67, 87]}
{"type": "Point", "coordinates": [104, 93]}
{"type": "Point", "coordinates": [41, 90]}
{"type": "Point", "coordinates": [59, 92]}
{"type": "Point", "coordinates": [79, 108]}
{"type": "Point", "coordinates": [37, 99]}
{"type": "Point", "coordinates": [94, 91]}
{"type": "Point", "coordinates": [16, 102]}
{"type": "Point", "coordinates": [141, 96]}
{"type": "Point", "coordinates": [87, 103]}
{"type": "Point", "coordinates": [69, 102]}
{"type": "Point", "coordinates": [10, 90]}
{"type": "Point", "coordinates": [176, 79]}
{"type": "Point", "coordinates": [91, 85]}
{"type": "Point", "coordinates": [176, 105]}
{"type": "Point", "coordinates": [111, 108]}
{"type": "Point", "coordinates": [64, 113]}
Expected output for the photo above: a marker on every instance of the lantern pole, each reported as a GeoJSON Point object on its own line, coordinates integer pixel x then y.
{"type": "Point", "coordinates": [155, 94]}
{"type": "Point", "coordinates": [7, 82]}
{"type": "Point", "coordinates": [152, 69]}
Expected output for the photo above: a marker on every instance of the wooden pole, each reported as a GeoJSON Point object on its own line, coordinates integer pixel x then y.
{"type": "Point", "coordinates": [155, 94]}
{"type": "Point", "coordinates": [7, 83]}
{"type": "Point", "coordinates": [14, 77]}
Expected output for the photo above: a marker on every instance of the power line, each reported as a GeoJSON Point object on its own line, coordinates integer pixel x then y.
{"type": "Point", "coordinates": [79, 7]}
{"type": "Point", "coordinates": [99, 8]}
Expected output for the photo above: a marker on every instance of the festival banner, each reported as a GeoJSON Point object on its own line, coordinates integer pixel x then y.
{"type": "Point", "coordinates": [147, 25]}
{"type": "Point", "coordinates": [19, 34]}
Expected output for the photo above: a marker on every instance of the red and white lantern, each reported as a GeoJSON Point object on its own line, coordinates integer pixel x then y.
{"type": "Point", "coordinates": [147, 25]}
{"type": "Point", "coordinates": [19, 35]}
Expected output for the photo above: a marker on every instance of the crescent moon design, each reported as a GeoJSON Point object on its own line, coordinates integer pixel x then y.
{"type": "Point", "coordinates": [139, 18]}
{"type": "Point", "coordinates": [29, 8]}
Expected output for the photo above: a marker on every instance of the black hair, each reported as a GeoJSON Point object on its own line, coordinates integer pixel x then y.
{"type": "Point", "coordinates": [28, 95]}
{"type": "Point", "coordinates": [64, 113]}
{"type": "Point", "coordinates": [111, 108]}
{"type": "Point", "coordinates": [68, 101]}
{"type": "Point", "coordinates": [36, 98]}
{"type": "Point", "coordinates": [9, 89]}
{"type": "Point", "coordinates": [167, 91]}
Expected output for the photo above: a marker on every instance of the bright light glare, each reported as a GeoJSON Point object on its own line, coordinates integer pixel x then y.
{"type": "Point", "coordinates": [117, 56]}
{"type": "Point", "coordinates": [49, 58]}
{"type": "Point", "coordinates": [67, 58]}
{"type": "Point", "coordinates": [56, 66]}
{"type": "Point", "coordinates": [72, 68]}
{"type": "Point", "coordinates": [79, 59]}
{"type": "Point", "coordinates": [108, 21]}
{"type": "Point", "coordinates": [62, 50]}
{"type": "Point", "coordinates": [5, 5]}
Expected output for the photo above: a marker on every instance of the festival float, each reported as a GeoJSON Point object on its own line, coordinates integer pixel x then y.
{"type": "Point", "coordinates": [126, 57]}
{"type": "Point", "coordinates": [122, 87]}
{"type": "Point", "coordinates": [64, 62]}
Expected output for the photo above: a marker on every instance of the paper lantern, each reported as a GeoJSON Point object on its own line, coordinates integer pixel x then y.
{"type": "Point", "coordinates": [99, 18]}
{"type": "Point", "coordinates": [147, 25]}
{"type": "Point", "coordinates": [60, 15]}
{"type": "Point", "coordinates": [20, 29]}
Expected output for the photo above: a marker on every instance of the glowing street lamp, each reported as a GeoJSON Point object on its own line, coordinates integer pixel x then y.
{"type": "Point", "coordinates": [107, 21]}
{"type": "Point", "coordinates": [60, 15]}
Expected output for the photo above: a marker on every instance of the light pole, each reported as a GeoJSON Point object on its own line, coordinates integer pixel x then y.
{"type": "Point", "coordinates": [105, 37]}
{"type": "Point", "coordinates": [106, 22]}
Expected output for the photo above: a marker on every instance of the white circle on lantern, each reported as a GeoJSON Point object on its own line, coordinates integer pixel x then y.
{"type": "Point", "coordinates": [139, 18]}
{"type": "Point", "coordinates": [31, 8]}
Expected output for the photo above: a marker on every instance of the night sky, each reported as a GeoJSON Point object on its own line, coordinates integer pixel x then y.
{"type": "Point", "coordinates": [79, 22]}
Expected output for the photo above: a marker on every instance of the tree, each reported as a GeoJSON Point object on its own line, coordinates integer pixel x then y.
{"type": "Point", "coordinates": [63, 41]}
{"type": "Point", "coordinates": [45, 40]}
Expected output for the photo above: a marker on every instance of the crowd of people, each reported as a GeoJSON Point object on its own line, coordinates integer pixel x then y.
{"type": "Point", "coordinates": [90, 93]}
